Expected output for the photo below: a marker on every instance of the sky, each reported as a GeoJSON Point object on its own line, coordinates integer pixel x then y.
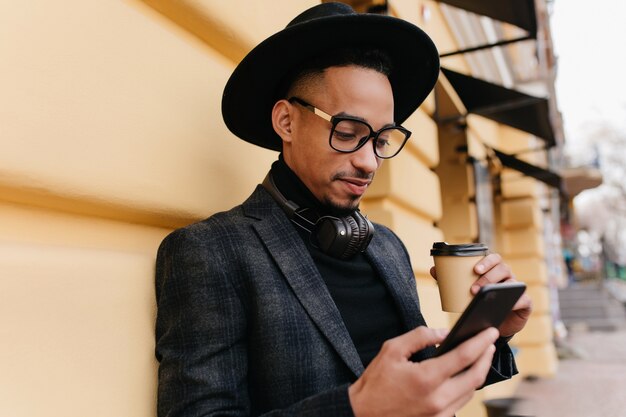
{"type": "Point", "coordinates": [589, 40]}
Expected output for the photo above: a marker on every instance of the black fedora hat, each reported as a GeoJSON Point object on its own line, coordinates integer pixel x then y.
{"type": "Point", "coordinates": [250, 93]}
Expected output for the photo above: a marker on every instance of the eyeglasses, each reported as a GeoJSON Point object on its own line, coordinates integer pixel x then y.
{"type": "Point", "coordinates": [349, 134]}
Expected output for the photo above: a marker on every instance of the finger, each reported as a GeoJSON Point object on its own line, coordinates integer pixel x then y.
{"type": "Point", "coordinates": [472, 378]}
{"type": "Point", "coordinates": [457, 404]}
{"type": "Point", "coordinates": [404, 346]}
{"type": "Point", "coordinates": [459, 358]}
{"type": "Point", "coordinates": [459, 389]}
{"type": "Point", "coordinates": [433, 272]}
{"type": "Point", "coordinates": [498, 273]}
{"type": "Point", "coordinates": [487, 263]}
{"type": "Point", "coordinates": [517, 318]}
{"type": "Point", "coordinates": [524, 303]}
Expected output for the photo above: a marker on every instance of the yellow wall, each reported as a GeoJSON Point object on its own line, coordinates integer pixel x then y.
{"type": "Point", "coordinates": [76, 314]}
{"type": "Point", "coordinates": [103, 102]}
{"type": "Point", "coordinates": [111, 136]}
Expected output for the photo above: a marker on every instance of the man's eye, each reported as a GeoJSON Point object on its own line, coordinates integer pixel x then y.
{"type": "Point", "coordinates": [344, 135]}
{"type": "Point", "coordinates": [382, 142]}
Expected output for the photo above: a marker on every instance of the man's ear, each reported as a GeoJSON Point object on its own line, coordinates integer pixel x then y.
{"type": "Point", "coordinates": [282, 119]}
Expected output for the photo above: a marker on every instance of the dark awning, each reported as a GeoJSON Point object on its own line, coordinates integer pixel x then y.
{"type": "Point", "coordinates": [538, 173]}
{"type": "Point", "coordinates": [503, 105]}
{"type": "Point", "coordinates": [520, 13]}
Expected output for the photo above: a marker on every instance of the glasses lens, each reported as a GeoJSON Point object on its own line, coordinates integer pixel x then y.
{"type": "Point", "coordinates": [348, 135]}
{"type": "Point", "coordinates": [389, 142]}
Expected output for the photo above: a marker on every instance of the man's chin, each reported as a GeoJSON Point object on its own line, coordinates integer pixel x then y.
{"type": "Point", "coordinates": [343, 208]}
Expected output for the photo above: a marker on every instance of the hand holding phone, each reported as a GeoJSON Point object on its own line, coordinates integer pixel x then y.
{"type": "Point", "coordinates": [488, 308]}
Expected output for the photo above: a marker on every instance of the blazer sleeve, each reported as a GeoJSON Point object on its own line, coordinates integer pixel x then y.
{"type": "Point", "coordinates": [201, 337]}
{"type": "Point", "coordinates": [503, 365]}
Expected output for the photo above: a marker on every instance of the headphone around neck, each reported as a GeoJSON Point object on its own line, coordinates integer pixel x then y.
{"type": "Point", "coordinates": [339, 237]}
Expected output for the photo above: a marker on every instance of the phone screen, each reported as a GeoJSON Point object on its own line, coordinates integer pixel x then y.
{"type": "Point", "coordinates": [488, 308]}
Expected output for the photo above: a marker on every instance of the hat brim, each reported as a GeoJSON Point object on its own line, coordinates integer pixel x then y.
{"type": "Point", "coordinates": [249, 95]}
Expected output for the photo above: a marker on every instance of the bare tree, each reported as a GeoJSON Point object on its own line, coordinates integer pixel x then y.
{"type": "Point", "coordinates": [603, 209]}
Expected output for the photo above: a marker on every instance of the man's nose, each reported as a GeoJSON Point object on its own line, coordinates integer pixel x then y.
{"type": "Point", "coordinates": [365, 158]}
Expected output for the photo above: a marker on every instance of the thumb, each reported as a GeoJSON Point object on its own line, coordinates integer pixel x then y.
{"type": "Point", "coordinates": [417, 339]}
{"type": "Point", "coordinates": [433, 272]}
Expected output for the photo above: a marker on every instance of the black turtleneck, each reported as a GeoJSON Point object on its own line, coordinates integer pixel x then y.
{"type": "Point", "coordinates": [361, 297]}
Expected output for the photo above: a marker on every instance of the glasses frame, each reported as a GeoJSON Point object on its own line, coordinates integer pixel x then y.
{"type": "Point", "coordinates": [335, 120]}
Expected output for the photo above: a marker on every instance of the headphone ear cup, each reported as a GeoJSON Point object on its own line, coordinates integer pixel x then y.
{"type": "Point", "coordinates": [365, 231]}
{"type": "Point", "coordinates": [331, 235]}
{"type": "Point", "coordinates": [353, 245]}
{"type": "Point", "coordinates": [343, 237]}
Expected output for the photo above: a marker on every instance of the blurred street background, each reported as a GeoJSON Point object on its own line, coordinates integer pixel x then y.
{"type": "Point", "coordinates": [590, 379]}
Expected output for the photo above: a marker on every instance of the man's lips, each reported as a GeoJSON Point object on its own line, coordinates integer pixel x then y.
{"type": "Point", "coordinates": [356, 186]}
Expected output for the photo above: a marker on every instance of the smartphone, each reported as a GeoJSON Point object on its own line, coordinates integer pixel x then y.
{"type": "Point", "coordinates": [488, 308]}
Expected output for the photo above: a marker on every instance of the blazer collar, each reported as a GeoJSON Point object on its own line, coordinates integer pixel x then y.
{"type": "Point", "coordinates": [400, 282]}
{"type": "Point", "coordinates": [294, 260]}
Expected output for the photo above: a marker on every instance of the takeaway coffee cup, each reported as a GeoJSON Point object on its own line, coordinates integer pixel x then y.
{"type": "Point", "coordinates": [455, 272]}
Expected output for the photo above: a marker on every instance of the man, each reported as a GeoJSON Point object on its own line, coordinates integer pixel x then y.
{"type": "Point", "coordinates": [291, 304]}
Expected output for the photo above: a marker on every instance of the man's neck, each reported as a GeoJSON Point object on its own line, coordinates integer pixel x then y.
{"type": "Point", "coordinates": [294, 189]}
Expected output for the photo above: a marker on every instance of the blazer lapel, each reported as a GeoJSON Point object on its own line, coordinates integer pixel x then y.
{"type": "Point", "coordinates": [399, 281]}
{"type": "Point", "coordinates": [293, 259]}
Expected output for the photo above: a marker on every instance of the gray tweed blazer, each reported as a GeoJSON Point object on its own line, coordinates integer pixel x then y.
{"type": "Point", "coordinates": [245, 324]}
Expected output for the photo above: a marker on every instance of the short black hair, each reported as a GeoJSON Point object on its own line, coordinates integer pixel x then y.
{"type": "Point", "coordinates": [364, 57]}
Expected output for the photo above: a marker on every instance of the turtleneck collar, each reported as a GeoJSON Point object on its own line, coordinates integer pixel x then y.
{"type": "Point", "coordinates": [295, 190]}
